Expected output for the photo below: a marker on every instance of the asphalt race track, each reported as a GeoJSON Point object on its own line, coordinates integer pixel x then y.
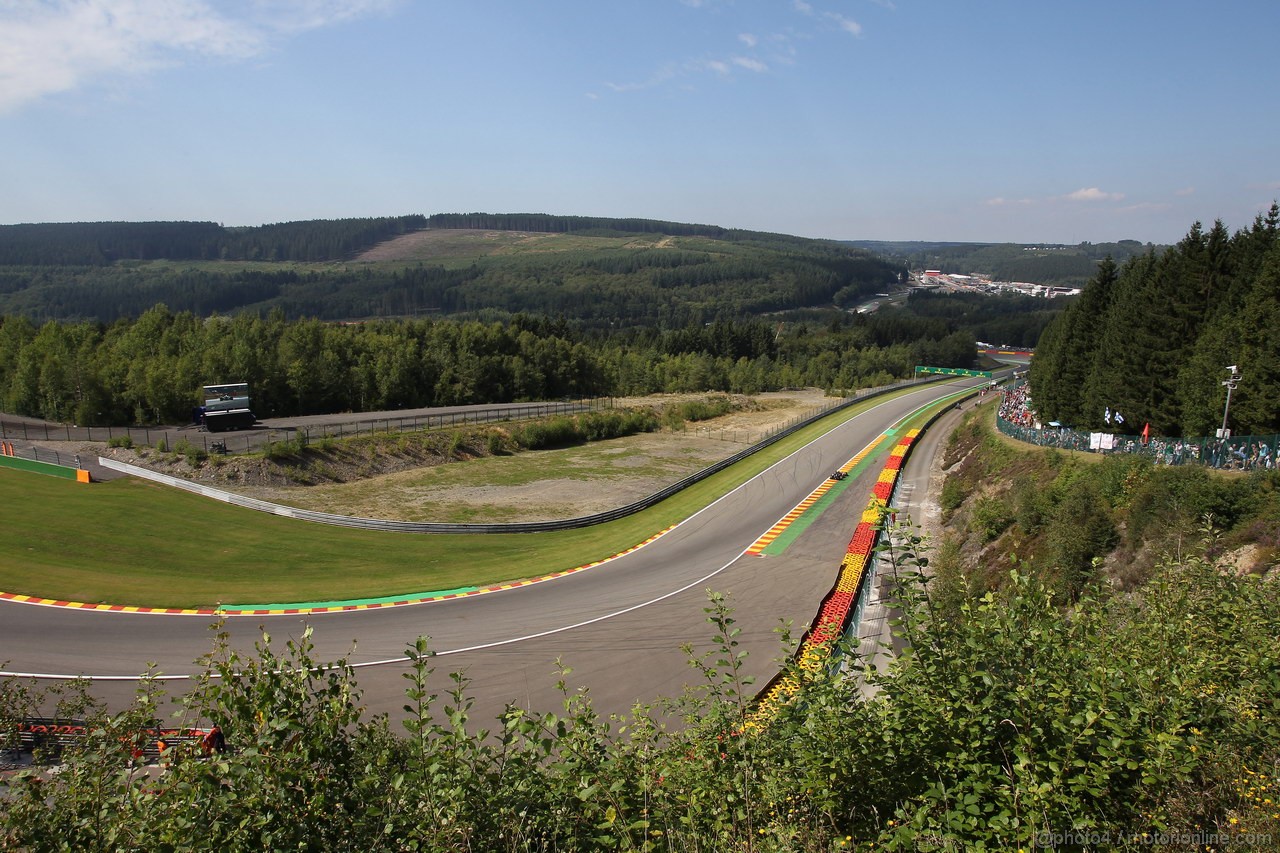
{"type": "Point", "coordinates": [619, 626]}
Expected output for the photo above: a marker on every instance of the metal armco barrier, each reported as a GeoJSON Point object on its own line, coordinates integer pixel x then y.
{"type": "Point", "coordinates": [524, 527]}
{"type": "Point", "coordinates": [254, 438]}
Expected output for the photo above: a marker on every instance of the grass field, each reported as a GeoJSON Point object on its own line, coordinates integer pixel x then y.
{"type": "Point", "coordinates": [135, 542]}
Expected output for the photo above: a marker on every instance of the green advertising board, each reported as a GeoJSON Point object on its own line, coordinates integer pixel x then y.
{"type": "Point", "coordinates": [953, 371]}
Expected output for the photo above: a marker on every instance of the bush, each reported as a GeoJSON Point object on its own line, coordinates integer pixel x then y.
{"type": "Point", "coordinates": [703, 410]}
{"type": "Point", "coordinates": [195, 455]}
{"type": "Point", "coordinates": [287, 449]}
{"type": "Point", "coordinates": [1082, 531]}
{"type": "Point", "coordinates": [125, 441]}
{"type": "Point", "coordinates": [495, 443]}
{"type": "Point", "coordinates": [1011, 720]}
{"type": "Point", "coordinates": [953, 494]}
{"type": "Point", "coordinates": [1031, 505]}
{"type": "Point", "coordinates": [457, 444]}
{"type": "Point", "coordinates": [553, 432]}
{"type": "Point", "coordinates": [672, 419]}
{"type": "Point", "coordinates": [615, 423]}
{"type": "Point", "coordinates": [991, 517]}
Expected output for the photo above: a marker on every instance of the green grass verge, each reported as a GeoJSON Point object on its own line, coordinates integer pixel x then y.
{"type": "Point", "coordinates": [135, 542]}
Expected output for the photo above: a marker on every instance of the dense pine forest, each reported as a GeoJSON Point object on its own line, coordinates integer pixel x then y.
{"type": "Point", "coordinates": [114, 323]}
{"type": "Point", "coordinates": [150, 370]}
{"type": "Point", "coordinates": [681, 274]}
{"type": "Point", "coordinates": [104, 243]}
{"type": "Point", "coordinates": [1153, 338]}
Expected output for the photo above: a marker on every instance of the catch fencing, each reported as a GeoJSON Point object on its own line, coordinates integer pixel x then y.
{"type": "Point", "coordinates": [41, 455]}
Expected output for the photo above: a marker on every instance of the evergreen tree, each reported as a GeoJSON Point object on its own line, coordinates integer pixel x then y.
{"type": "Point", "coordinates": [1067, 354]}
{"type": "Point", "coordinates": [1254, 407]}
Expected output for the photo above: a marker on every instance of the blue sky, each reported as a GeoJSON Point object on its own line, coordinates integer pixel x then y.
{"type": "Point", "coordinates": [982, 120]}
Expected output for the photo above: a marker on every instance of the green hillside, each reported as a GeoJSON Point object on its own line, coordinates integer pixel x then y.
{"type": "Point", "coordinates": [602, 273]}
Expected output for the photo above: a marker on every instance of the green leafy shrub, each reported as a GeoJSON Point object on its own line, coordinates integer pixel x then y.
{"type": "Point", "coordinates": [1032, 505]}
{"type": "Point", "coordinates": [704, 410]}
{"type": "Point", "coordinates": [456, 445]}
{"type": "Point", "coordinates": [1010, 720]}
{"type": "Point", "coordinates": [672, 419]}
{"type": "Point", "coordinates": [991, 517]}
{"type": "Point", "coordinates": [553, 432]}
{"type": "Point", "coordinates": [286, 449]}
{"type": "Point", "coordinates": [495, 443]}
{"type": "Point", "coordinates": [953, 495]}
{"type": "Point", "coordinates": [194, 455]}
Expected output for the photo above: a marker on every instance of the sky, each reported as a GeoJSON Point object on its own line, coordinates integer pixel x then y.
{"type": "Point", "coordinates": [969, 120]}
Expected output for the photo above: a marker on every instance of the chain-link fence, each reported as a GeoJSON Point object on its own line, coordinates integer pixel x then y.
{"type": "Point", "coordinates": [1238, 453]}
{"type": "Point", "coordinates": [42, 454]}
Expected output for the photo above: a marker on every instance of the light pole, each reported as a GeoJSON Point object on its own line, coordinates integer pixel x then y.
{"type": "Point", "coordinates": [1231, 386]}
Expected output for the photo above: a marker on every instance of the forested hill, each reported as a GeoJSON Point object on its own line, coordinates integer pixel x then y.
{"type": "Point", "coordinates": [1153, 338]}
{"type": "Point", "coordinates": [602, 273]}
{"type": "Point", "coordinates": [1044, 263]}
{"type": "Point", "coordinates": [102, 243]}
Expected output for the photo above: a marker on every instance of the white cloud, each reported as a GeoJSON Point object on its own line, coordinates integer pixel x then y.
{"type": "Point", "coordinates": [777, 49]}
{"type": "Point", "coordinates": [719, 67]}
{"type": "Point", "coordinates": [1087, 194]}
{"type": "Point", "coordinates": [849, 25]}
{"type": "Point", "coordinates": [1185, 191]}
{"type": "Point", "coordinates": [1093, 194]}
{"type": "Point", "coordinates": [291, 16]}
{"type": "Point", "coordinates": [1146, 207]}
{"type": "Point", "coordinates": [666, 74]}
{"type": "Point", "coordinates": [659, 77]}
{"type": "Point", "coordinates": [53, 46]}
